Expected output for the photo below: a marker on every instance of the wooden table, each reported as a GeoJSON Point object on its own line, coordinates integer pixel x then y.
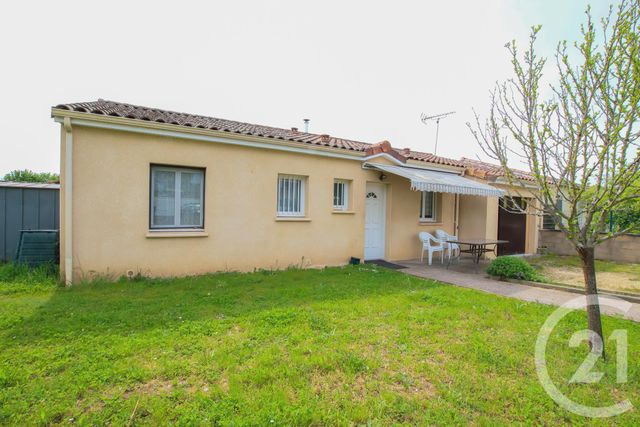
{"type": "Point", "coordinates": [477, 247]}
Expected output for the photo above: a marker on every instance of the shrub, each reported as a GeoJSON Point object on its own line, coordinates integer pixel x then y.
{"type": "Point", "coordinates": [509, 267]}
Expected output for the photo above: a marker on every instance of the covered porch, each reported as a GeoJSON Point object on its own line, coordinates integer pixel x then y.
{"type": "Point", "coordinates": [427, 200]}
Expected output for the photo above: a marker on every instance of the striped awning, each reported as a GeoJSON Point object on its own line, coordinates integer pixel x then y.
{"type": "Point", "coordinates": [439, 181]}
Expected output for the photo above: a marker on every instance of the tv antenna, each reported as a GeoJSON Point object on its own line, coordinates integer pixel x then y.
{"type": "Point", "coordinates": [424, 118]}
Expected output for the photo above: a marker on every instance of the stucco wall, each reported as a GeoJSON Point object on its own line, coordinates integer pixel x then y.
{"type": "Point", "coordinates": [111, 209]}
{"type": "Point", "coordinates": [477, 217]}
{"type": "Point", "coordinates": [403, 224]}
{"type": "Point", "coordinates": [621, 249]}
{"type": "Point", "coordinates": [533, 224]}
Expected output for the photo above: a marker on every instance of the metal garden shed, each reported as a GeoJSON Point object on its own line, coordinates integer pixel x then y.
{"type": "Point", "coordinates": [26, 206]}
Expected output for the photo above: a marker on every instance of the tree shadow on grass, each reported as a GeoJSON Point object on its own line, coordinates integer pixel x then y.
{"type": "Point", "coordinates": [130, 307]}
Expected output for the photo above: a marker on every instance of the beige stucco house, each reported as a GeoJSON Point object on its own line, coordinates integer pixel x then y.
{"type": "Point", "coordinates": [163, 193]}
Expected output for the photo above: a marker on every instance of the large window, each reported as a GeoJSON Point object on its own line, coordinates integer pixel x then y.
{"type": "Point", "coordinates": [340, 195]}
{"type": "Point", "coordinates": [177, 197]}
{"type": "Point", "coordinates": [290, 195]}
{"type": "Point", "coordinates": [427, 206]}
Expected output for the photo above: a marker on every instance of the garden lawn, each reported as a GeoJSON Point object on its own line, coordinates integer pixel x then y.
{"type": "Point", "coordinates": [567, 270]}
{"type": "Point", "coordinates": [352, 345]}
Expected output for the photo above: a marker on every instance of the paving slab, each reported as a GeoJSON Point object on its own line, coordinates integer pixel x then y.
{"type": "Point", "coordinates": [467, 276]}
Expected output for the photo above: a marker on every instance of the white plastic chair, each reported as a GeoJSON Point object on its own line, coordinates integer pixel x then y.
{"type": "Point", "coordinates": [428, 245]}
{"type": "Point", "coordinates": [445, 238]}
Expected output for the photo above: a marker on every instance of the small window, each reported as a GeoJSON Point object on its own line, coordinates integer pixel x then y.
{"type": "Point", "coordinates": [547, 219]}
{"type": "Point", "coordinates": [428, 206]}
{"type": "Point", "coordinates": [291, 195]}
{"type": "Point", "coordinates": [177, 197]}
{"type": "Point", "coordinates": [340, 195]}
{"type": "Point", "coordinates": [547, 222]}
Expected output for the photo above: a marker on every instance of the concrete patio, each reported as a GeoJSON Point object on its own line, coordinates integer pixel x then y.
{"type": "Point", "coordinates": [464, 273]}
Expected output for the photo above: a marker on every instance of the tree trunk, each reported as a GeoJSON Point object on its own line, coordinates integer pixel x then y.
{"type": "Point", "coordinates": [587, 256]}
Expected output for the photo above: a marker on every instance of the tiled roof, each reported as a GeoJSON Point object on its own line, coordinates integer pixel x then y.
{"type": "Point", "coordinates": [486, 170]}
{"type": "Point", "coordinates": [432, 158]}
{"type": "Point", "coordinates": [117, 109]}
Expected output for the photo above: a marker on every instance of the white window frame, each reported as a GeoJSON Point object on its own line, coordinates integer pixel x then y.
{"type": "Point", "coordinates": [178, 198]}
{"type": "Point", "coordinates": [345, 194]}
{"type": "Point", "coordinates": [294, 184]}
{"type": "Point", "coordinates": [434, 205]}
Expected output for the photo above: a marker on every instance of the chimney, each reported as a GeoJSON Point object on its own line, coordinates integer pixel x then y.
{"type": "Point", "coordinates": [294, 129]}
{"type": "Point", "coordinates": [306, 125]}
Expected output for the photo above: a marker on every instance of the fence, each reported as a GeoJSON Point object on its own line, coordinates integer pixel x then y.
{"type": "Point", "coordinates": [25, 206]}
{"type": "Point", "coordinates": [624, 248]}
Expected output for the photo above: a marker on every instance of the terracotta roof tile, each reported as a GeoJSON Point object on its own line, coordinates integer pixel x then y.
{"type": "Point", "coordinates": [489, 170]}
{"type": "Point", "coordinates": [135, 112]}
{"type": "Point", "coordinates": [432, 158]}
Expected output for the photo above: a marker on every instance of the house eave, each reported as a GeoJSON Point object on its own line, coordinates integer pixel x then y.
{"type": "Point", "coordinates": [170, 130]}
{"type": "Point", "coordinates": [515, 183]}
{"type": "Point", "coordinates": [165, 129]}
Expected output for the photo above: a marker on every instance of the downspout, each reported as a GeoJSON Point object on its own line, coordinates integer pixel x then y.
{"type": "Point", "coordinates": [456, 216]}
{"type": "Point", "coordinates": [68, 203]}
{"type": "Point", "coordinates": [456, 211]}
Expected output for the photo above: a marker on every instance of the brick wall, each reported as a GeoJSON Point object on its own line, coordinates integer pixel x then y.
{"type": "Point", "coordinates": [622, 249]}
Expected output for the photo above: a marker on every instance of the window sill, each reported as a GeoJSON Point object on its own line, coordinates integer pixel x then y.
{"type": "Point", "coordinates": [155, 234]}
{"type": "Point", "coordinates": [292, 219]}
{"type": "Point", "coordinates": [335, 211]}
{"type": "Point", "coordinates": [430, 223]}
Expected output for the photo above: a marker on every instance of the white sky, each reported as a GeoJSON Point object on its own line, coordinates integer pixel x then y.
{"type": "Point", "coordinates": [363, 70]}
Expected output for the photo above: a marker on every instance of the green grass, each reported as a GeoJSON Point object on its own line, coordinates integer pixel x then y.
{"type": "Point", "coordinates": [15, 278]}
{"type": "Point", "coordinates": [353, 345]}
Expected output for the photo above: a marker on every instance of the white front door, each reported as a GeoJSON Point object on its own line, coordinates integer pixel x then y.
{"type": "Point", "coordinates": [374, 221]}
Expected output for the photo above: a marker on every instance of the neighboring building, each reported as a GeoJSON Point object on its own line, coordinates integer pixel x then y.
{"type": "Point", "coordinates": [164, 193]}
{"type": "Point", "coordinates": [25, 206]}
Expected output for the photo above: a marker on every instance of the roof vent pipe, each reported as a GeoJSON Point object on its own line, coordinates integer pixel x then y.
{"type": "Point", "coordinates": [306, 125]}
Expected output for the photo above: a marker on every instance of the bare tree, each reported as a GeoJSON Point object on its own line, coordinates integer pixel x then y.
{"type": "Point", "coordinates": [580, 138]}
